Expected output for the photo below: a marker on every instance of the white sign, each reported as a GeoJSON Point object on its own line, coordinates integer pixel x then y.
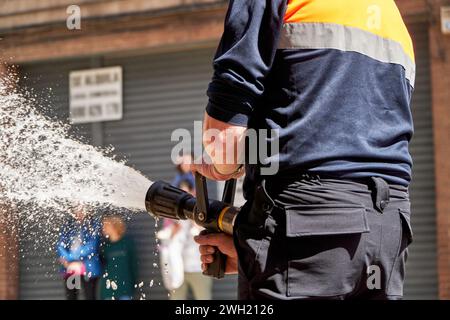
{"type": "Point", "coordinates": [96, 95]}
{"type": "Point", "coordinates": [445, 18]}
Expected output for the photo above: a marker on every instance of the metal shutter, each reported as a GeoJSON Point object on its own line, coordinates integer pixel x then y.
{"type": "Point", "coordinates": [39, 272]}
{"type": "Point", "coordinates": [421, 272]}
{"type": "Point", "coordinates": [162, 92]}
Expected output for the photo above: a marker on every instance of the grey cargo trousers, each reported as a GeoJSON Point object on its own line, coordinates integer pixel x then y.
{"type": "Point", "coordinates": [317, 238]}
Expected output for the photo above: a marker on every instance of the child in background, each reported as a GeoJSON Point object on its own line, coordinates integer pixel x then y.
{"type": "Point", "coordinates": [118, 256]}
{"type": "Point", "coordinates": [78, 251]}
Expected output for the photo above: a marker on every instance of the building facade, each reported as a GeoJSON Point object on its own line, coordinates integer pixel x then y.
{"type": "Point", "coordinates": [165, 49]}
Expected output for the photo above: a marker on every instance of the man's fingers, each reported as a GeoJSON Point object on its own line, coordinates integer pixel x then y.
{"type": "Point", "coordinates": [195, 167]}
{"type": "Point", "coordinates": [207, 259]}
{"type": "Point", "coordinates": [206, 250]}
{"type": "Point", "coordinates": [208, 171]}
{"type": "Point", "coordinates": [212, 239]}
{"type": "Point", "coordinates": [203, 169]}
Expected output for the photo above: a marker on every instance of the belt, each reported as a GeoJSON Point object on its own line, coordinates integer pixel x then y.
{"type": "Point", "coordinates": [381, 190]}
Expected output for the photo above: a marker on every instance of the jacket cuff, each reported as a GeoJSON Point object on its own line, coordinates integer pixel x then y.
{"type": "Point", "coordinates": [227, 115]}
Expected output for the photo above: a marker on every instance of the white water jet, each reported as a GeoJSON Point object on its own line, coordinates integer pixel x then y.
{"type": "Point", "coordinates": [41, 163]}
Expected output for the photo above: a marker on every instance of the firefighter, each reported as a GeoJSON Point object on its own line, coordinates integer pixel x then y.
{"type": "Point", "coordinates": [334, 79]}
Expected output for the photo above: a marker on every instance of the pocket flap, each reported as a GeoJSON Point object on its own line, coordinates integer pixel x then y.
{"type": "Point", "coordinates": [315, 220]}
{"type": "Point", "coordinates": [406, 220]}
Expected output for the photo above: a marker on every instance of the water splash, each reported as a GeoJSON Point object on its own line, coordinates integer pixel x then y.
{"type": "Point", "coordinates": [41, 163]}
{"type": "Point", "coordinates": [45, 170]}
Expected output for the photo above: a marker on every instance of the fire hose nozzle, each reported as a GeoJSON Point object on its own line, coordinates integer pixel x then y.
{"type": "Point", "coordinates": [165, 201]}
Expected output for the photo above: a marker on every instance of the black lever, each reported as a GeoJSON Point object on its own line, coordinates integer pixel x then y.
{"type": "Point", "coordinates": [201, 193]}
{"type": "Point", "coordinates": [228, 192]}
{"type": "Point", "coordinates": [215, 269]}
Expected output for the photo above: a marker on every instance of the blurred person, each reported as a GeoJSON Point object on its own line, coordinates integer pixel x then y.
{"type": "Point", "coordinates": [200, 285]}
{"type": "Point", "coordinates": [181, 258]}
{"type": "Point", "coordinates": [171, 245]}
{"type": "Point", "coordinates": [78, 250]}
{"type": "Point", "coordinates": [117, 253]}
{"type": "Point", "coordinates": [184, 174]}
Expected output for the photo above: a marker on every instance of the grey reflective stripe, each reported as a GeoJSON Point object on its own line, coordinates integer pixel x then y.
{"type": "Point", "coordinates": [334, 36]}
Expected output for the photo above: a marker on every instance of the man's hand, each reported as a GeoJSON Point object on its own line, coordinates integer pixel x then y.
{"type": "Point", "coordinates": [224, 144]}
{"type": "Point", "coordinates": [76, 267]}
{"type": "Point", "coordinates": [209, 243]}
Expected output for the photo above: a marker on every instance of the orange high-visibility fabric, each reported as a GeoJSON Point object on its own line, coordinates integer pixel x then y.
{"type": "Point", "coordinates": [379, 17]}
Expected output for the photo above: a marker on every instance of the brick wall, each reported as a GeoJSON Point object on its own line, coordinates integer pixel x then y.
{"type": "Point", "coordinates": [148, 31]}
{"type": "Point", "coordinates": [8, 254]}
{"type": "Point", "coordinates": [9, 271]}
{"type": "Point", "coordinates": [440, 78]}
{"type": "Point", "coordinates": [25, 13]}
{"type": "Point", "coordinates": [412, 9]}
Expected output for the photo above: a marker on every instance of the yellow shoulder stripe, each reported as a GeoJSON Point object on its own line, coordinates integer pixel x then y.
{"type": "Point", "coordinates": [380, 17]}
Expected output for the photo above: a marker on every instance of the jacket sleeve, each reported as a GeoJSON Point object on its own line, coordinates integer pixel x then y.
{"type": "Point", "coordinates": [63, 252]}
{"type": "Point", "coordinates": [90, 247]}
{"type": "Point", "coordinates": [63, 246]}
{"type": "Point", "coordinates": [91, 243]}
{"type": "Point", "coordinates": [244, 58]}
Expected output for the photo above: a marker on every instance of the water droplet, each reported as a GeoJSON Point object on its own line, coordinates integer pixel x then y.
{"type": "Point", "coordinates": [113, 285]}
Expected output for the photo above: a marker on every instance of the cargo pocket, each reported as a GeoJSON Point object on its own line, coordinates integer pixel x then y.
{"type": "Point", "coordinates": [325, 251]}
{"type": "Point", "coordinates": [405, 216]}
{"type": "Point", "coordinates": [397, 276]}
{"type": "Point", "coordinates": [251, 234]}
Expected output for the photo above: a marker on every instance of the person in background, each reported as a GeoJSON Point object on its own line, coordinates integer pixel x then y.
{"type": "Point", "coordinates": [200, 285]}
{"type": "Point", "coordinates": [183, 171]}
{"type": "Point", "coordinates": [183, 175]}
{"type": "Point", "coordinates": [118, 256]}
{"type": "Point", "coordinates": [78, 250]}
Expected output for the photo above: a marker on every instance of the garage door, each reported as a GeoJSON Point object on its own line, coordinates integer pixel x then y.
{"type": "Point", "coordinates": [421, 273]}
{"type": "Point", "coordinates": [162, 92]}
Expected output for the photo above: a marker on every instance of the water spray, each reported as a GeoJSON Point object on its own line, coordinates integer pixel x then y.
{"type": "Point", "coordinates": [41, 163]}
{"type": "Point", "coordinates": [166, 201]}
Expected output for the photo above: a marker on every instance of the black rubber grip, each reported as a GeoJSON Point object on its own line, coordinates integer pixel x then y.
{"type": "Point", "coordinates": [216, 269]}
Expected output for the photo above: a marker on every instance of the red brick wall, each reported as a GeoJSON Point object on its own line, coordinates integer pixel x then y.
{"type": "Point", "coordinates": [414, 8]}
{"type": "Point", "coordinates": [8, 255]}
{"type": "Point", "coordinates": [440, 78]}
{"type": "Point", "coordinates": [169, 31]}
{"type": "Point", "coordinates": [9, 263]}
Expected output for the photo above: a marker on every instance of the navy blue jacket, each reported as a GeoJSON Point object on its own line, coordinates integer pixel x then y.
{"type": "Point", "coordinates": [338, 94]}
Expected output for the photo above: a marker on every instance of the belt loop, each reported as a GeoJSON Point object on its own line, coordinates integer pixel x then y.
{"type": "Point", "coordinates": [382, 193]}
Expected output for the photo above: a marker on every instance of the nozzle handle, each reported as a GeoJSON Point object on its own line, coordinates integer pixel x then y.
{"type": "Point", "coordinates": [216, 269]}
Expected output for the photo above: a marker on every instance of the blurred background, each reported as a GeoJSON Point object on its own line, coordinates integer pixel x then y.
{"type": "Point", "coordinates": [162, 51]}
